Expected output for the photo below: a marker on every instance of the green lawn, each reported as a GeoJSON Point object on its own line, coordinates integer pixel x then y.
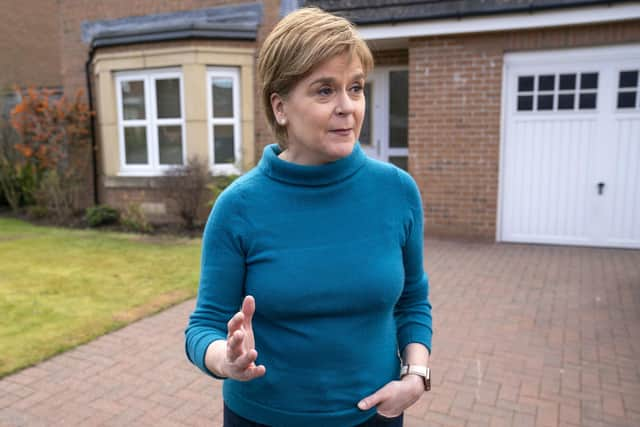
{"type": "Point", "coordinates": [60, 288]}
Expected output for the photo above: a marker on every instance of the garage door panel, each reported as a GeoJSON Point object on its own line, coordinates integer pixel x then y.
{"type": "Point", "coordinates": [546, 178]}
{"type": "Point", "coordinates": [625, 191]}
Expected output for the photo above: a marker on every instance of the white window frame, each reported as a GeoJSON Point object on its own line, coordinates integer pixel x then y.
{"type": "Point", "coordinates": [225, 168]}
{"type": "Point", "coordinates": [151, 121]}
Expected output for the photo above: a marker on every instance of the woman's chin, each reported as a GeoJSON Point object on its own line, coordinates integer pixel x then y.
{"type": "Point", "coordinates": [340, 149]}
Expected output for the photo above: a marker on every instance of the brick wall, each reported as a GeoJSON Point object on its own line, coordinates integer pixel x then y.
{"type": "Point", "coordinates": [391, 57]}
{"type": "Point", "coordinates": [30, 44]}
{"type": "Point", "coordinates": [454, 123]}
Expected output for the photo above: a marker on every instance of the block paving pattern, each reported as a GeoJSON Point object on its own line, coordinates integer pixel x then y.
{"type": "Point", "coordinates": [525, 335]}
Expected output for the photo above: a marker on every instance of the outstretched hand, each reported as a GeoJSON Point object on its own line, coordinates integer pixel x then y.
{"type": "Point", "coordinates": [239, 363]}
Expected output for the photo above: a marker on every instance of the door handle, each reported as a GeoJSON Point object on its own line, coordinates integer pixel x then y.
{"type": "Point", "coordinates": [600, 188]}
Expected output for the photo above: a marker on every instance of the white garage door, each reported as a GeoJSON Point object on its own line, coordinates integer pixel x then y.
{"type": "Point", "coordinates": [570, 153]}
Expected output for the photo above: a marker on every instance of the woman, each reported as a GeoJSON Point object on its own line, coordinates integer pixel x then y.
{"type": "Point", "coordinates": [312, 285]}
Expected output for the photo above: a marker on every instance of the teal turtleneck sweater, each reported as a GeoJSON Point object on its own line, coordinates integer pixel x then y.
{"type": "Point", "coordinates": [333, 256]}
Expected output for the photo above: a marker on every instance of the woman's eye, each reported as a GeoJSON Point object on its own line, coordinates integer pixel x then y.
{"type": "Point", "coordinates": [325, 91]}
{"type": "Point", "coordinates": [356, 88]}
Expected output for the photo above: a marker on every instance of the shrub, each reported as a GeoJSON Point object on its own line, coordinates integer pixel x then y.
{"type": "Point", "coordinates": [57, 193]}
{"type": "Point", "coordinates": [50, 158]}
{"type": "Point", "coordinates": [219, 184]}
{"type": "Point", "coordinates": [134, 219]}
{"type": "Point", "coordinates": [99, 215]}
{"type": "Point", "coordinates": [12, 173]}
{"type": "Point", "coordinates": [187, 186]}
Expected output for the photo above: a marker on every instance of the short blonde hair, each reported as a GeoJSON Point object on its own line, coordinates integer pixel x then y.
{"type": "Point", "coordinates": [301, 41]}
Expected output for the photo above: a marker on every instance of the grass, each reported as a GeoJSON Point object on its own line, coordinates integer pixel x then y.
{"type": "Point", "coordinates": [60, 288]}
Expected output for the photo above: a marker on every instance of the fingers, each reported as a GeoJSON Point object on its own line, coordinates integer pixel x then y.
{"type": "Point", "coordinates": [241, 356]}
{"type": "Point", "coordinates": [370, 401]}
{"type": "Point", "coordinates": [235, 323]}
{"type": "Point", "coordinates": [248, 309]}
{"type": "Point", "coordinates": [235, 349]}
{"type": "Point", "coordinates": [375, 399]}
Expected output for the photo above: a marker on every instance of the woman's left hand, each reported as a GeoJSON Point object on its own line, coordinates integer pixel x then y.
{"type": "Point", "coordinates": [396, 396]}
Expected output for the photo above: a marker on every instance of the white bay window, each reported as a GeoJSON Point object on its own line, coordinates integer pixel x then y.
{"type": "Point", "coordinates": [223, 100]}
{"type": "Point", "coordinates": [150, 121]}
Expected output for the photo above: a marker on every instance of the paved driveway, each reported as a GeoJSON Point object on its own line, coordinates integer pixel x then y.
{"type": "Point", "coordinates": [524, 336]}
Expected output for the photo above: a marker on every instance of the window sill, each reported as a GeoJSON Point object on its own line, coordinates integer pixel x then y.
{"type": "Point", "coordinates": [132, 181]}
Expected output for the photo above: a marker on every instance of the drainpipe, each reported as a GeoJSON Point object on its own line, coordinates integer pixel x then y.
{"type": "Point", "coordinates": [92, 128]}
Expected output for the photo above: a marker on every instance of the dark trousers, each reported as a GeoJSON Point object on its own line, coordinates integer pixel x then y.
{"type": "Point", "coordinates": [231, 419]}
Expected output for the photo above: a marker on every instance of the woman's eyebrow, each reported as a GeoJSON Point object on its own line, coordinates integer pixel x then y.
{"type": "Point", "coordinates": [331, 80]}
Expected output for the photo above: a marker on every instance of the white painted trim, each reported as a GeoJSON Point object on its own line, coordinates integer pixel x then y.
{"type": "Point", "coordinates": [226, 168]}
{"type": "Point", "coordinates": [568, 57]}
{"type": "Point", "coordinates": [379, 132]}
{"type": "Point", "coordinates": [151, 121]}
{"type": "Point", "coordinates": [501, 152]}
{"type": "Point", "coordinates": [514, 21]}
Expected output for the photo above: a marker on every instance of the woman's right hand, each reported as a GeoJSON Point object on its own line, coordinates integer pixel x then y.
{"type": "Point", "coordinates": [240, 355]}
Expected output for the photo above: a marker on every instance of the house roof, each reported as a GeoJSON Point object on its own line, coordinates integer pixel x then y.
{"type": "Point", "coordinates": [239, 22]}
{"type": "Point", "coordinates": [364, 12]}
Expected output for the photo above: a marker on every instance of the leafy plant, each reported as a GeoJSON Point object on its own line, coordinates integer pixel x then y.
{"type": "Point", "coordinates": [134, 219]}
{"type": "Point", "coordinates": [49, 159]}
{"type": "Point", "coordinates": [11, 171]}
{"type": "Point", "coordinates": [57, 193]}
{"type": "Point", "coordinates": [187, 185]}
{"type": "Point", "coordinates": [99, 215]}
{"type": "Point", "coordinates": [219, 184]}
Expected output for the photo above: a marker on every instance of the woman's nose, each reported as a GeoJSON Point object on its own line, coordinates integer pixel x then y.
{"type": "Point", "coordinates": [345, 105]}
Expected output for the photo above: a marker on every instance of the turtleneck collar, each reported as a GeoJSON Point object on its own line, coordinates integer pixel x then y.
{"type": "Point", "coordinates": [316, 175]}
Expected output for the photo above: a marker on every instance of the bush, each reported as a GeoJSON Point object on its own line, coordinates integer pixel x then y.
{"type": "Point", "coordinates": [187, 186]}
{"type": "Point", "coordinates": [47, 160]}
{"type": "Point", "coordinates": [134, 219]}
{"type": "Point", "coordinates": [99, 215]}
{"type": "Point", "coordinates": [12, 173]}
{"type": "Point", "coordinates": [57, 193]}
{"type": "Point", "coordinates": [219, 184]}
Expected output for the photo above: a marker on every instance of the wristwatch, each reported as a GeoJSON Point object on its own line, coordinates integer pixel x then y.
{"type": "Point", "coordinates": [421, 371]}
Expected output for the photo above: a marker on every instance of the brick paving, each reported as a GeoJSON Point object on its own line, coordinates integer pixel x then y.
{"type": "Point", "coordinates": [526, 335]}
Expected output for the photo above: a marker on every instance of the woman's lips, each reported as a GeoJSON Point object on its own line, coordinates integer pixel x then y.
{"type": "Point", "coordinates": [341, 132]}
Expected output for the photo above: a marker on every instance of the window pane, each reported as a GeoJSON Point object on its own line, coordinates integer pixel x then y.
{"type": "Point", "coordinates": [565, 101]}
{"type": "Point", "coordinates": [589, 81]}
{"type": "Point", "coordinates": [222, 95]}
{"type": "Point", "coordinates": [168, 102]}
{"type": "Point", "coordinates": [223, 144]}
{"type": "Point", "coordinates": [626, 100]}
{"type": "Point", "coordinates": [546, 82]}
{"type": "Point", "coordinates": [365, 132]}
{"type": "Point", "coordinates": [545, 102]}
{"type": "Point", "coordinates": [170, 141]}
{"type": "Point", "coordinates": [398, 108]}
{"type": "Point", "coordinates": [133, 100]}
{"type": "Point", "coordinates": [525, 103]}
{"type": "Point", "coordinates": [400, 161]}
{"type": "Point", "coordinates": [135, 145]}
{"type": "Point", "coordinates": [628, 79]}
{"type": "Point", "coordinates": [525, 84]}
{"type": "Point", "coordinates": [587, 101]}
{"type": "Point", "coordinates": [567, 81]}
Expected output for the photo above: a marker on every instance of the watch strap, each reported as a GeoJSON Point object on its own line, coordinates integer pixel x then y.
{"type": "Point", "coordinates": [420, 370]}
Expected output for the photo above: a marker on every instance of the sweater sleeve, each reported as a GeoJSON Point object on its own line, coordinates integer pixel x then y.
{"type": "Point", "coordinates": [221, 279]}
{"type": "Point", "coordinates": [413, 309]}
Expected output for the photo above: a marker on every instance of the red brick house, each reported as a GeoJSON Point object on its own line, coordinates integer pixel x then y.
{"type": "Point", "coordinates": [520, 120]}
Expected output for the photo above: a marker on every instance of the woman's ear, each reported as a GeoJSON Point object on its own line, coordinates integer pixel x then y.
{"type": "Point", "coordinates": [277, 105]}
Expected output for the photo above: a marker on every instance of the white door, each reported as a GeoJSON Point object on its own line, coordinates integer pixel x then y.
{"type": "Point", "coordinates": [570, 154]}
{"type": "Point", "coordinates": [384, 134]}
